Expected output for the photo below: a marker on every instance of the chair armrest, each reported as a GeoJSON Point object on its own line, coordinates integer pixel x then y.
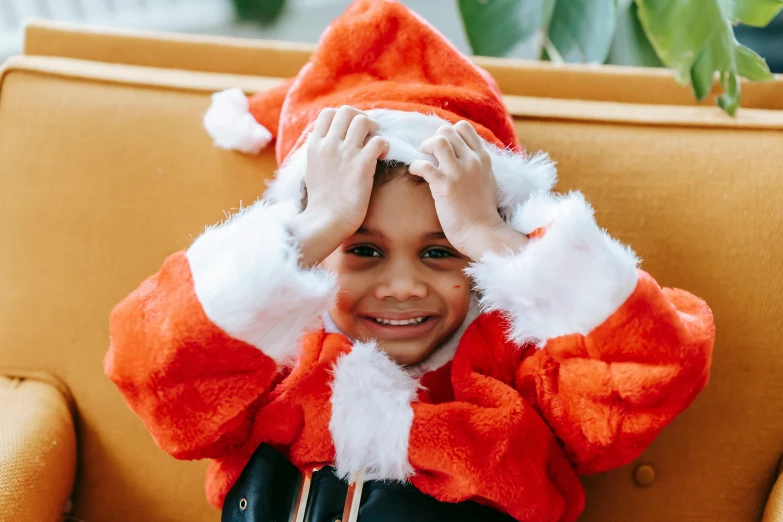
{"type": "Point", "coordinates": [774, 510]}
{"type": "Point", "coordinates": [37, 448]}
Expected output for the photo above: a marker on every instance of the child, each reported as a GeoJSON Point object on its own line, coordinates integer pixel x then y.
{"type": "Point", "coordinates": [409, 304]}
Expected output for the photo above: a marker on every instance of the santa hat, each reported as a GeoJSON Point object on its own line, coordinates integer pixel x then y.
{"type": "Point", "coordinates": [386, 60]}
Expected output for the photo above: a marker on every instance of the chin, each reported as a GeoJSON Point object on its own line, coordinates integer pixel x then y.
{"type": "Point", "coordinates": [408, 352]}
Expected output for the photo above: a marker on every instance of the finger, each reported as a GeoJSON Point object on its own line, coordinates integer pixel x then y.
{"type": "Point", "coordinates": [361, 126]}
{"type": "Point", "coordinates": [461, 149]}
{"type": "Point", "coordinates": [425, 169]}
{"type": "Point", "coordinates": [323, 122]}
{"type": "Point", "coordinates": [376, 148]}
{"type": "Point", "coordinates": [440, 147]}
{"type": "Point", "coordinates": [469, 135]}
{"type": "Point", "coordinates": [342, 120]}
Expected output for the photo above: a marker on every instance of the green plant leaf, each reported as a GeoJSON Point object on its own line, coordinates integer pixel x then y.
{"type": "Point", "coordinates": [729, 101]}
{"type": "Point", "coordinates": [582, 30]}
{"type": "Point", "coordinates": [630, 45]}
{"type": "Point", "coordinates": [752, 66]}
{"type": "Point", "coordinates": [549, 8]}
{"type": "Point", "coordinates": [265, 11]}
{"type": "Point", "coordinates": [758, 13]}
{"type": "Point", "coordinates": [494, 27]}
{"type": "Point", "coordinates": [679, 29]}
{"type": "Point", "coordinates": [717, 55]}
{"type": "Point", "coordinates": [549, 52]}
{"type": "Point", "coordinates": [696, 39]}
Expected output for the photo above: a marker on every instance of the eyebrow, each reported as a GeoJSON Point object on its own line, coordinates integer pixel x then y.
{"type": "Point", "coordinates": [370, 232]}
{"type": "Point", "coordinates": [380, 235]}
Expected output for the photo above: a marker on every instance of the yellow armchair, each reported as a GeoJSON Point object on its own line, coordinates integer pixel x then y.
{"type": "Point", "coordinates": [105, 170]}
{"type": "Point", "coordinates": [37, 448]}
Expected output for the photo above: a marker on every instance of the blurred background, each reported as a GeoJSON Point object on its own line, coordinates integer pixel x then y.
{"type": "Point", "coordinates": [293, 20]}
{"type": "Point", "coordinates": [701, 41]}
{"type": "Point", "coordinates": [298, 20]}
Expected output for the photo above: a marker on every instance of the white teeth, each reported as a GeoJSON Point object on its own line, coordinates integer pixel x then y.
{"type": "Point", "coordinates": [405, 322]}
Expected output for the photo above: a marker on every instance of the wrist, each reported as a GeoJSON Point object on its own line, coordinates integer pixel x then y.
{"type": "Point", "coordinates": [317, 235]}
{"type": "Point", "coordinates": [497, 237]}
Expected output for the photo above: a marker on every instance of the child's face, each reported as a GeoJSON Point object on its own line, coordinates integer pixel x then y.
{"type": "Point", "coordinates": [400, 267]}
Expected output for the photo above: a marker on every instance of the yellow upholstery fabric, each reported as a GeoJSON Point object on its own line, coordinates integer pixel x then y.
{"type": "Point", "coordinates": [37, 449]}
{"type": "Point", "coordinates": [105, 170]}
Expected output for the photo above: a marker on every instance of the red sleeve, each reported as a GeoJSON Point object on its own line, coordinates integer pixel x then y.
{"type": "Point", "coordinates": [608, 394]}
{"type": "Point", "coordinates": [197, 346]}
{"type": "Point", "coordinates": [194, 387]}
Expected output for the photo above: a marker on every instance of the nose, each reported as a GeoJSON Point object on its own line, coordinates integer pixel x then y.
{"type": "Point", "coordinates": [401, 282]}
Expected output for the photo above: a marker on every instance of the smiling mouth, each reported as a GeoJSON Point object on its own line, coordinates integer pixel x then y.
{"type": "Point", "coordinates": [402, 322]}
{"type": "Point", "coordinates": [414, 326]}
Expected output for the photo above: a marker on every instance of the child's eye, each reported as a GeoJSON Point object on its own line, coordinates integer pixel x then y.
{"type": "Point", "coordinates": [364, 251]}
{"type": "Point", "coordinates": [437, 253]}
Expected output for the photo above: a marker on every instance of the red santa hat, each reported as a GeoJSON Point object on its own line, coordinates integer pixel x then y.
{"type": "Point", "coordinates": [386, 60]}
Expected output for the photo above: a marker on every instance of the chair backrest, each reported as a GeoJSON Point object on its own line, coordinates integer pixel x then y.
{"type": "Point", "coordinates": [105, 170]}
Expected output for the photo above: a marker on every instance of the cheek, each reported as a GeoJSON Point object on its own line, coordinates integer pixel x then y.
{"type": "Point", "coordinates": [353, 287]}
{"type": "Point", "coordinates": [351, 284]}
{"type": "Point", "coordinates": [346, 293]}
{"type": "Point", "coordinates": [349, 294]}
{"type": "Point", "coordinates": [455, 291]}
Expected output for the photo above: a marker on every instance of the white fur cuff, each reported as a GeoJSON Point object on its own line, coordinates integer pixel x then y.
{"type": "Point", "coordinates": [248, 280]}
{"type": "Point", "coordinates": [229, 122]}
{"type": "Point", "coordinates": [371, 415]}
{"type": "Point", "coordinates": [570, 281]}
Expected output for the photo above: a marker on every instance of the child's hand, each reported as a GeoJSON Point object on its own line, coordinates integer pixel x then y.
{"type": "Point", "coordinates": [341, 164]}
{"type": "Point", "coordinates": [465, 191]}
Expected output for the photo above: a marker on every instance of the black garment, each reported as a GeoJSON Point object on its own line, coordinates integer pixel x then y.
{"type": "Point", "coordinates": [268, 487]}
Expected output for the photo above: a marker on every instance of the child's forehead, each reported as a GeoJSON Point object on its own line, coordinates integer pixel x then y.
{"type": "Point", "coordinates": [401, 200]}
{"type": "Point", "coordinates": [400, 205]}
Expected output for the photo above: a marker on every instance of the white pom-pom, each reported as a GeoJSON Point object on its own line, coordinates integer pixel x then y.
{"type": "Point", "coordinates": [229, 122]}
